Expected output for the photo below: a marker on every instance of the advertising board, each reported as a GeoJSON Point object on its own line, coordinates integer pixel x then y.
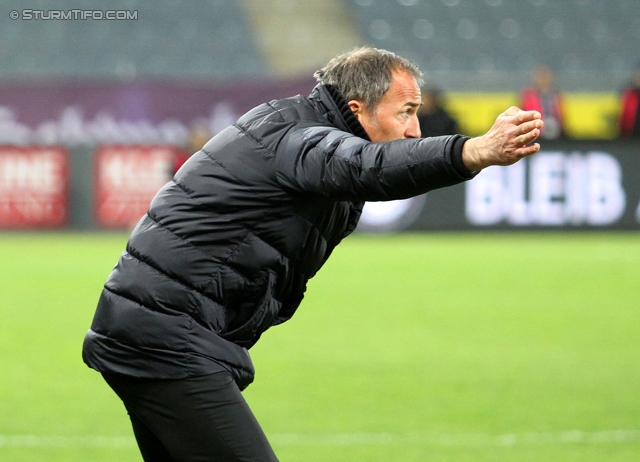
{"type": "Point", "coordinates": [33, 187]}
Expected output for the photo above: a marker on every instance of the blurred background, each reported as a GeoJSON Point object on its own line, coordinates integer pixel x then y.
{"type": "Point", "coordinates": [89, 96]}
{"type": "Point", "coordinates": [467, 346]}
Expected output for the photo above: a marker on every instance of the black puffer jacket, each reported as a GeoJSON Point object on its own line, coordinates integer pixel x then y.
{"type": "Point", "coordinates": [228, 246]}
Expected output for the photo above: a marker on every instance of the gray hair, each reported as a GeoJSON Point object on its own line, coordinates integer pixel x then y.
{"type": "Point", "coordinates": [364, 74]}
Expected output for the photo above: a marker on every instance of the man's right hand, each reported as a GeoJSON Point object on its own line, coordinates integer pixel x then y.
{"type": "Point", "coordinates": [506, 142]}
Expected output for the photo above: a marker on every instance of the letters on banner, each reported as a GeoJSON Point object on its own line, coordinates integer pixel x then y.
{"type": "Point", "coordinates": [33, 187]}
{"type": "Point", "coordinates": [128, 177]}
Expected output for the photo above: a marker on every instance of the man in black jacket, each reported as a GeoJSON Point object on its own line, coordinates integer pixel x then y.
{"type": "Point", "coordinates": [227, 247]}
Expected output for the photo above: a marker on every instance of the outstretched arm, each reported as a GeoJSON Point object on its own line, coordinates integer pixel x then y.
{"type": "Point", "coordinates": [506, 142]}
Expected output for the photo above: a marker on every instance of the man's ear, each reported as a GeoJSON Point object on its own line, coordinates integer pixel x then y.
{"type": "Point", "coordinates": [356, 107]}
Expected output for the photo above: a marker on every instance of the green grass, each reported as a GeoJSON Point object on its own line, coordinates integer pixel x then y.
{"type": "Point", "coordinates": [439, 347]}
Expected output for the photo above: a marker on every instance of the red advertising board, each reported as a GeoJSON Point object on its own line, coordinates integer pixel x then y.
{"type": "Point", "coordinates": [33, 186]}
{"type": "Point", "coordinates": [126, 179]}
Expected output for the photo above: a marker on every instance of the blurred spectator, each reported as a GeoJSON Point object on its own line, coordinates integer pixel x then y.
{"type": "Point", "coordinates": [629, 120]}
{"type": "Point", "coordinates": [434, 119]}
{"type": "Point", "coordinates": [543, 96]}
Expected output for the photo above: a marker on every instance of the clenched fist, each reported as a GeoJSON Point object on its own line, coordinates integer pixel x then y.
{"type": "Point", "coordinates": [506, 142]}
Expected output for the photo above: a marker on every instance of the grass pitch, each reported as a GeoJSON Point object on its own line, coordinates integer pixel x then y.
{"type": "Point", "coordinates": [438, 347]}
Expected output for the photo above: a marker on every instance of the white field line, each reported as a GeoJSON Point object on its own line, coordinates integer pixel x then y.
{"type": "Point", "coordinates": [457, 439]}
{"type": "Point", "coordinates": [35, 441]}
{"type": "Point", "coordinates": [354, 439]}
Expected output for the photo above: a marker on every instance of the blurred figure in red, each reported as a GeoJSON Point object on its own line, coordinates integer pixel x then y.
{"type": "Point", "coordinates": [629, 120]}
{"type": "Point", "coordinates": [543, 96]}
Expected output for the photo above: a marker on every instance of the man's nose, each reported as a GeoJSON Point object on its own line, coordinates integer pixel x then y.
{"type": "Point", "coordinates": [413, 130]}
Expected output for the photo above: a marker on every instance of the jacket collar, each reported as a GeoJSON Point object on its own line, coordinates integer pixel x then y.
{"type": "Point", "coordinates": [337, 110]}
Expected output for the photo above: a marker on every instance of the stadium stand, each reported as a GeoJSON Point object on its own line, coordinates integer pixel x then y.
{"type": "Point", "coordinates": [197, 38]}
{"type": "Point", "coordinates": [478, 45]}
{"type": "Point", "coordinates": [481, 52]}
{"type": "Point", "coordinates": [299, 37]}
{"type": "Point", "coordinates": [494, 44]}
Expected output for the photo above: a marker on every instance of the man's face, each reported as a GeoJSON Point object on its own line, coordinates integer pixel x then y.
{"type": "Point", "coordinates": [395, 117]}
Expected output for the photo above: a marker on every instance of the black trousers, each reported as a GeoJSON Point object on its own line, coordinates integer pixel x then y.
{"type": "Point", "coordinates": [196, 419]}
